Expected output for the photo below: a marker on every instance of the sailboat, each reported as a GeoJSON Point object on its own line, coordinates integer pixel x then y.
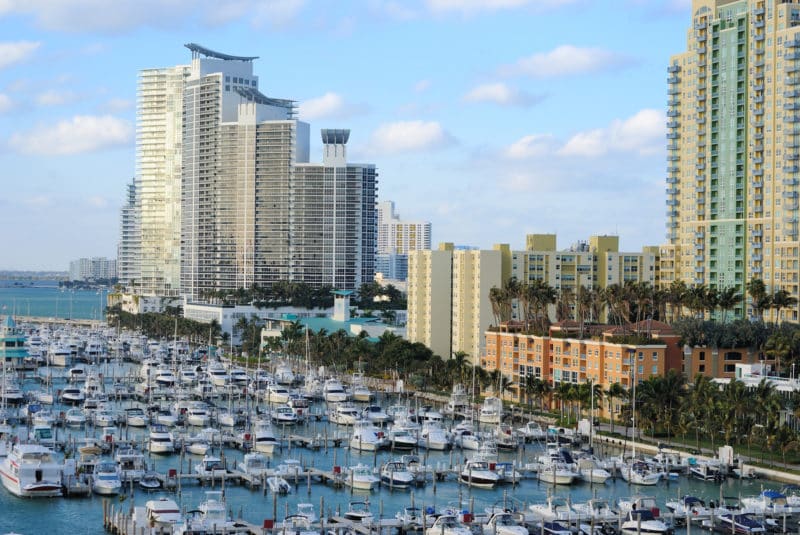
{"type": "Point", "coordinates": [633, 471]}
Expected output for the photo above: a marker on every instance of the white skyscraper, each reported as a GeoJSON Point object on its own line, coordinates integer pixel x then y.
{"type": "Point", "coordinates": [396, 238]}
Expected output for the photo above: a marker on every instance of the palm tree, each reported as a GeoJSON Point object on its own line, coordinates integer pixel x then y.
{"type": "Point", "coordinates": [780, 300]}
{"type": "Point", "coordinates": [676, 294]}
{"type": "Point", "coordinates": [727, 299]}
{"type": "Point", "coordinates": [495, 298]}
{"type": "Point", "coordinates": [459, 366]}
{"type": "Point", "coordinates": [760, 301]}
{"type": "Point", "coordinates": [615, 391]}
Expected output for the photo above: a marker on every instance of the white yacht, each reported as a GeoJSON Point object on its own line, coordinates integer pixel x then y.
{"type": "Point", "coordinates": [211, 517]}
{"type": "Point", "coordinates": [458, 404]}
{"type": "Point", "coordinates": [447, 525]}
{"type": "Point", "coordinates": [395, 474]}
{"type": "Point", "coordinates": [264, 440]}
{"type": "Point", "coordinates": [160, 439]}
{"type": "Point", "coordinates": [276, 393]}
{"type": "Point", "coordinates": [375, 414]}
{"type": "Point", "coordinates": [491, 411]}
{"type": "Point", "coordinates": [135, 417]}
{"type": "Point", "coordinates": [478, 474]}
{"type": "Point", "coordinates": [30, 471]}
{"type": "Point", "coordinates": [366, 437]}
{"type": "Point", "coordinates": [333, 391]}
{"type": "Point", "coordinates": [210, 466]}
{"type": "Point", "coordinates": [553, 508]}
{"type": "Point", "coordinates": [163, 513]}
{"type": "Point", "coordinates": [284, 375]}
{"type": "Point", "coordinates": [197, 414]}
{"type": "Point", "coordinates": [643, 522]}
{"type": "Point", "coordinates": [106, 480]}
{"type": "Point", "coordinates": [218, 374]}
{"type": "Point", "coordinates": [283, 416]}
{"type": "Point", "coordinates": [360, 477]}
{"type": "Point", "coordinates": [343, 414]}
{"type": "Point", "coordinates": [433, 437]}
{"type": "Point", "coordinates": [254, 464]}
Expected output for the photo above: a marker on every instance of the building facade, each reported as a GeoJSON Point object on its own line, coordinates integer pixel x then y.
{"type": "Point", "coordinates": [128, 253]}
{"type": "Point", "coordinates": [733, 150]}
{"type": "Point", "coordinates": [448, 297]}
{"type": "Point", "coordinates": [395, 239]}
{"type": "Point", "coordinates": [604, 358]}
{"type": "Point", "coordinates": [88, 269]}
{"type": "Point", "coordinates": [593, 264]}
{"type": "Point", "coordinates": [225, 196]}
{"type": "Point", "coordinates": [159, 132]}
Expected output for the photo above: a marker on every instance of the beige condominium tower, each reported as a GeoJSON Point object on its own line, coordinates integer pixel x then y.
{"type": "Point", "coordinates": [733, 150]}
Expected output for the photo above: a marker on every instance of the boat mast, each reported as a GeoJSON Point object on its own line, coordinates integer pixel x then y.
{"type": "Point", "coordinates": [633, 403]}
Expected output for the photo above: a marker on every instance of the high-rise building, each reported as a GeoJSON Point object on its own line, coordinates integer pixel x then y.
{"type": "Point", "coordinates": [395, 239]}
{"type": "Point", "coordinates": [128, 252]}
{"type": "Point", "coordinates": [225, 195]}
{"type": "Point", "coordinates": [88, 269]}
{"type": "Point", "coordinates": [733, 149]}
{"type": "Point", "coordinates": [159, 131]}
{"type": "Point", "coordinates": [448, 297]}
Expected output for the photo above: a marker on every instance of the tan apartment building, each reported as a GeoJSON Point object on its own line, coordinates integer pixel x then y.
{"type": "Point", "coordinates": [733, 149]}
{"type": "Point", "coordinates": [448, 297]}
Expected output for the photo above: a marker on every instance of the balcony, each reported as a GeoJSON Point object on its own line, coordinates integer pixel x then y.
{"type": "Point", "coordinates": [700, 166]}
{"type": "Point", "coordinates": [791, 80]}
{"type": "Point", "coordinates": [758, 197]}
{"type": "Point", "coordinates": [700, 189]}
{"type": "Point", "coordinates": [791, 156]}
{"type": "Point", "coordinates": [758, 24]}
{"type": "Point", "coordinates": [757, 184]}
{"type": "Point", "coordinates": [757, 258]}
{"type": "Point", "coordinates": [756, 245]}
{"type": "Point", "coordinates": [758, 124]}
{"type": "Point", "coordinates": [673, 113]}
{"type": "Point", "coordinates": [673, 102]}
{"type": "Point", "coordinates": [758, 87]}
{"type": "Point", "coordinates": [758, 160]}
{"type": "Point", "coordinates": [673, 80]}
{"type": "Point", "coordinates": [790, 181]}
{"type": "Point", "coordinates": [672, 191]}
{"type": "Point", "coordinates": [673, 124]}
{"type": "Point", "coordinates": [757, 233]}
{"type": "Point", "coordinates": [758, 112]}
{"type": "Point", "coordinates": [673, 169]}
{"type": "Point", "coordinates": [699, 234]}
{"type": "Point", "coordinates": [673, 91]}
{"type": "Point", "coordinates": [790, 169]}
{"type": "Point", "coordinates": [672, 202]}
{"type": "Point", "coordinates": [673, 135]}
{"type": "Point", "coordinates": [789, 195]}
{"type": "Point", "coordinates": [672, 180]}
{"type": "Point", "coordinates": [673, 69]}
{"type": "Point", "coordinates": [758, 12]}
{"type": "Point", "coordinates": [791, 68]}
{"type": "Point", "coordinates": [699, 269]}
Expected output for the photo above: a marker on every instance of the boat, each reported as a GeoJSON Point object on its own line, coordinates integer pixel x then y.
{"type": "Point", "coordinates": [768, 502]}
{"type": "Point", "coordinates": [264, 440]}
{"type": "Point", "coordinates": [491, 411]}
{"type": "Point", "coordinates": [30, 471]}
{"type": "Point", "coordinates": [410, 519]}
{"type": "Point", "coordinates": [283, 374]}
{"type": "Point", "coordinates": [283, 416]}
{"type": "Point", "coordinates": [505, 438]}
{"type": "Point", "coordinates": [360, 390]}
{"type": "Point", "coordinates": [687, 506]}
{"type": "Point", "coordinates": [596, 509]}
{"type": "Point", "coordinates": [705, 470]}
{"type": "Point", "coordinates": [217, 374]}
{"type": "Point", "coordinates": [643, 522]}
{"type": "Point", "coordinates": [238, 376]}
{"type": "Point", "coordinates": [254, 464]}
{"type": "Point", "coordinates": [375, 414]}
{"type": "Point", "coordinates": [131, 464]}
{"type": "Point", "coordinates": [400, 438]}
{"type": "Point", "coordinates": [307, 510]}
{"type": "Point", "coordinates": [276, 393]}
{"type": "Point", "coordinates": [557, 473]}
{"type": "Point", "coordinates": [553, 508]}
{"type": "Point", "coordinates": [591, 472]}
{"type": "Point", "coordinates": [211, 516]}
{"type": "Point", "coordinates": [366, 437]}
{"type": "Point", "coordinates": [343, 414]}
{"type": "Point", "coordinates": [210, 465]}
{"type": "Point", "coordinates": [743, 524]}
{"type": "Point", "coordinates": [297, 525]}
{"type": "Point", "coordinates": [197, 445]}
{"type": "Point", "coordinates": [150, 481]}
{"type": "Point", "coordinates": [395, 474]}
{"type": "Point", "coordinates": [464, 437]}
{"type": "Point", "coordinates": [163, 513]}
{"type": "Point", "coordinates": [106, 480]}
{"type": "Point", "coordinates": [503, 523]}
{"type": "Point", "coordinates": [72, 396]}
{"type": "Point", "coordinates": [639, 473]}
{"type": "Point", "coordinates": [532, 432]}
{"type": "Point", "coordinates": [74, 417]}
{"type": "Point", "coordinates": [160, 439]}
{"type": "Point", "coordinates": [458, 404]}
{"type": "Point", "coordinates": [135, 417]}
{"type": "Point", "coordinates": [358, 511]}
{"type": "Point", "coordinates": [278, 485]}
{"type": "Point", "coordinates": [554, 528]}
{"type": "Point", "coordinates": [300, 405]}
{"type": "Point", "coordinates": [333, 391]}
{"type": "Point", "coordinates": [478, 474]}
{"type": "Point", "coordinates": [447, 525]}
{"type": "Point", "coordinates": [360, 477]}
{"type": "Point", "coordinates": [433, 437]}
{"type": "Point", "coordinates": [43, 436]}
{"type": "Point", "coordinates": [197, 414]}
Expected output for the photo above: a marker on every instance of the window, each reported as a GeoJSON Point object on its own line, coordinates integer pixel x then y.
{"type": "Point", "coordinates": [655, 370]}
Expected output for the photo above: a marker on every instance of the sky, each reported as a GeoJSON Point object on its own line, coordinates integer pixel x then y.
{"type": "Point", "coordinates": [491, 119]}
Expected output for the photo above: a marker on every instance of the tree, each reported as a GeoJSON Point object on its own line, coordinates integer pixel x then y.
{"type": "Point", "coordinates": [780, 300]}
{"type": "Point", "coordinates": [615, 391]}
{"type": "Point", "coordinates": [760, 301]}
{"type": "Point", "coordinates": [727, 299]}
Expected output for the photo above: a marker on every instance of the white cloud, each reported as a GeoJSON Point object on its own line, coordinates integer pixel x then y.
{"type": "Point", "coordinates": [329, 106]}
{"type": "Point", "coordinates": [502, 94]}
{"type": "Point", "coordinates": [409, 136]}
{"type": "Point", "coordinates": [82, 133]}
{"type": "Point", "coordinates": [15, 52]}
{"type": "Point", "coordinates": [95, 15]}
{"type": "Point", "coordinates": [422, 86]}
{"type": "Point", "coordinates": [469, 7]}
{"type": "Point", "coordinates": [395, 10]}
{"type": "Point", "coordinates": [54, 98]}
{"type": "Point", "coordinates": [115, 105]}
{"type": "Point", "coordinates": [5, 103]}
{"type": "Point", "coordinates": [643, 134]}
{"type": "Point", "coordinates": [567, 60]}
{"type": "Point", "coordinates": [532, 146]}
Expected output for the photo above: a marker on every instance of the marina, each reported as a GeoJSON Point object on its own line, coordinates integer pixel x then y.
{"type": "Point", "coordinates": [147, 436]}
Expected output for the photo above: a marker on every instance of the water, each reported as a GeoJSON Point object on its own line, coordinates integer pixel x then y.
{"type": "Point", "coordinates": [45, 299]}
{"type": "Point", "coordinates": [84, 515]}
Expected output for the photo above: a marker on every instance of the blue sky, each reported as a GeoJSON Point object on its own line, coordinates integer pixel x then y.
{"type": "Point", "coordinates": [489, 118]}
